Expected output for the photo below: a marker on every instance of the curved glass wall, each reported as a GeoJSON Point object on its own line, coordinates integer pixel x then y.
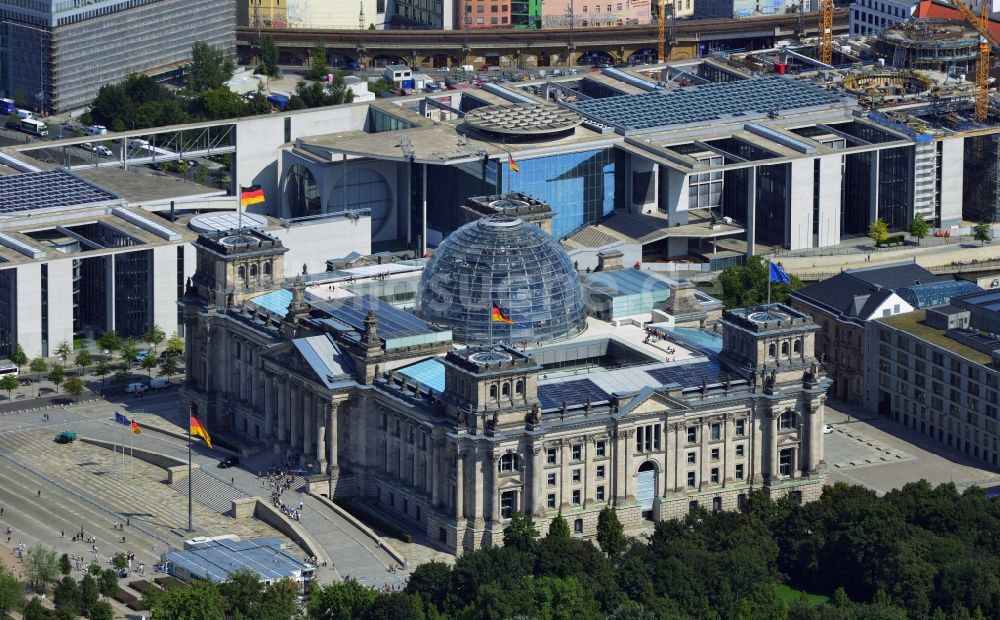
{"type": "Point", "coordinates": [502, 261]}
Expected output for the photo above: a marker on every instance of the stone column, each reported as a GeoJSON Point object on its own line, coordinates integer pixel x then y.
{"type": "Point", "coordinates": [459, 483]}
{"type": "Point", "coordinates": [474, 486]}
{"type": "Point", "coordinates": [321, 426]}
{"type": "Point", "coordinates": [414, 465]}
{"type": "Point", "coordinates": [772, 444]}
{"type": "Point", "coordinates": [537, 480]}
{"type": "Point", "coordinates": [490, 481]}
{"type": "Point", "coordinates": [618, 466]}
{"type": "Point", "coordinates": [268, 394]}
{"type": "Point", "coordinates": [564, 479]}
{"type": "Point", "coordinates": [815, 436]}
{"type": "Point", "coordinates": [295, 416]}
{"type": "Point", "coordinates": [282, 411]}
{"type": "Point", "coordinates": [435, 469]}
{"type": "Point", "coordinates": [629, 466]}
{"type": "Point", "coordinates": [334, 439]}
{"type": "Point", "coordinates": [308, 423]}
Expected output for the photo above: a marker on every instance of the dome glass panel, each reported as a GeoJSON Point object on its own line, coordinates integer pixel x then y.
{"type": "Point", "coordinates": [504, 262]}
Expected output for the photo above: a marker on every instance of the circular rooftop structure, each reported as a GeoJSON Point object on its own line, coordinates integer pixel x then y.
{"type": "Point", "coordinates": [928, 44]}
{"type": "Point", "coordinates": [523, 120]}
{"type": "Point", "coordinates": [227, 220]}
{"type": "Point", "coordinates": [501, 261]}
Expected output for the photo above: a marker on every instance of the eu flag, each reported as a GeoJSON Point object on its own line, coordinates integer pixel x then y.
{"type": "Point", "coordinates": [120, 419]}
{"type": "Point", "coordinates": [778, 275]}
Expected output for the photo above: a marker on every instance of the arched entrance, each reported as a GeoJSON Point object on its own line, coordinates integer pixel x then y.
{"type": "Point", "coordinates": [645, 488]}
{"type": "Point", "coordinates": [302, 193]}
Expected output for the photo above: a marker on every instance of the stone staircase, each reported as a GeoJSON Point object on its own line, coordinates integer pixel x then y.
{"type": "Point", "coordinates": [210, 491]}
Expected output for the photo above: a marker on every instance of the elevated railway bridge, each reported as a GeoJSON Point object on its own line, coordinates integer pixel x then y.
{"type": "Point", "coordinates": [532, 48]}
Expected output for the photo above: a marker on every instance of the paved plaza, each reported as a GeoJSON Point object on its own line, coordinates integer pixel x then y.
{"type": "Point", "coordinates": [882, 455]}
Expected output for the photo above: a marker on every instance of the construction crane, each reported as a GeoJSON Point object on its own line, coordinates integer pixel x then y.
{"type": "Point", "coordinates": [661, 26]}
{"type": "Point", "coordinates": [982, 24]}
{"type": "Point", "coordinates": [826, 31]}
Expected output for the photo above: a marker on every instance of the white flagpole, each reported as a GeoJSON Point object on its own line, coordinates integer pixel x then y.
{"type": "Point", "coordinates": [769, 281]}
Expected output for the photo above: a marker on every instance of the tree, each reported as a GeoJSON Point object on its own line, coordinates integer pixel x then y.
{"type": "Point", "coordinates": [41, 566]}
{"type": "Point", "coordinates": [83, 359]}
{"type": "Point", "coordinates": [432, 581]}
{"type": "Point", "coordinates": [268, 57]}
{"type": "Point", "coordinates": [211, 67]}
{"type": "Point", "coordinates": [169, 368]}
{"type": "Point", "coordinates": [56, 375]}
{"type": "Point", "coordinates": [34, 610]}
{"type": "Point", "coordinates": [148, 363]}
{"type": "Point", "coordinates": [175, 345]}
{"type": "Point", "coordinates": [317, 62]}
{"type": "Point", "coordinates": [107, 582]}
{"type": "Point", "coordinates": [9, 383]}
{"type": "Point", "coordinates": [89, 592]}
{"type": "Point", "coordinates": [74, 387]}
{"type": "Point", "coordinates": [201, 601]}
{"type": "Point", "coordinates": [982, 233]}
{"type": "Point", "coordinates": [746, 285]}
{"type": "Point", "coordinates": [66, 597]}
{"type": "Point", "coordinates": [121, 376]}
{"type": "Point", "coordinates": [103, 369]}
{"type": "Point", "coordinates": [878, 231]}
{"type": "Point", "coordinates": [19, 357]}
{"type": "Point", "coordinates": [520, 532]}
{"type": "Point", "coordinates": [65, 567]}
{"type": "Point", "coordinates": [10, 590]}
{"type": "Point", "coordinates": [919, 227]}
{"type": "Point", "coordinates": [129, 350]}
{"type": "Point", "coordinates": [38, 366]}
{"type": "Point", "coordinates": [559, 528]}
{"type": "Point", "coordinates": [610, 532]}
{"type": "Point", "coordinates": [348, 599]}
{"type": "Point", "coordinates": [319, 94]}
{"type": "Point", "coordinates": [64, 350]}
{"type": "Point", "coordinates": [219, 103]}
{"type": "Point", "coordinates": [110, 341]}
{"type": "Point", "coordinates": [101, 610]}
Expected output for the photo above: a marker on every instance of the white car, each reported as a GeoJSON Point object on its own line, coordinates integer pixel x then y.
{"type": "Point", "coordinates": [100, 149]}
{"type": "Point", "coordinates": [136, 388]}
{"type": "Point", "coordinates": [827, 429]}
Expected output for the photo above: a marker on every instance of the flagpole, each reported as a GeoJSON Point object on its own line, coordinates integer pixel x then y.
{"type": "Point", "coordinates": [769, 281]}
{"type": "Point", "coordinates": [490, 321]}
{"type": "Point", "coordinates": [190, 493]}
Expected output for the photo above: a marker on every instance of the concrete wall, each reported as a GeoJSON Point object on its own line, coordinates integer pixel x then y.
{"type": "Point", "coordinates": [259, 139]}
{"type": "Point", "coordinates": [831, 179]}
{"type": "Point", "coordinates": [29, 308]}
{"type": "Point", "coordinates": [164, 304]}
{"type": "Point", "coordinates": [800, 209]}
{"type": "Point", "coordinates": [313, 243]}
{"type": "Point", "coordinates": [60, 293]}
{"type": "Point", "coordinates": [274, 517]}
{"type": "Point", "coordinates": [952, 172]}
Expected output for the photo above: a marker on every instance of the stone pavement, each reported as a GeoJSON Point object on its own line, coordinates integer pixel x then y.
{"type": "Point", "coordinates": [936, 256]}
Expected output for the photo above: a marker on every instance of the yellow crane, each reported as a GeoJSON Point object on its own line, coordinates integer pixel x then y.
{"type": "Point", "coordinates": [982, 24]}
{"type": "Point", "coordinates": [661, 26]}
{"type": "Point", "coordinates": [826, 31]}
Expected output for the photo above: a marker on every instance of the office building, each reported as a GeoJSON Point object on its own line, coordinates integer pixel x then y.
{"type": "Point", "coordinates": [845, 304]}
{"type": "Point", "coordinates": [450, 441]}
{"type": "Point", "coordinates": [55, 55]}
{"type": "Point", "coordinates": [869, 17]}
{"type": "Point", "coordinates": [937, 372]}
{"type": "Point", "coordinates": [602, 14]}
{"type": "Point", "coordinates": [312, 14]}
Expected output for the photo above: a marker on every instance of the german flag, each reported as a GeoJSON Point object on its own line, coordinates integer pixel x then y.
{"type": "Point", "coordinates": [251, 195]}
{"type": "Point", "coordinates": [197, 430]}
{"type": "Point", "coordinates": [512, 164]}
{"type": "Point", "coordinates": [135, 427]}
{"type": "Point", "coordinates": [497, 316]}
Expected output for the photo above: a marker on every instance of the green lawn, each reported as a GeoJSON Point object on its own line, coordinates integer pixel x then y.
{"type": "Point", "coordinates": [790, 595]}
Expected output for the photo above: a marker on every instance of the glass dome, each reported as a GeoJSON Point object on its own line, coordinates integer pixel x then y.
{"type": "Point", "coordinates": [501, 261]}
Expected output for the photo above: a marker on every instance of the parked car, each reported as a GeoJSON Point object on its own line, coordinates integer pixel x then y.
{"type": "Point", "coordinates": [25, 381]}
{"type": "Point", "coordinates": [229, 461]}
{"type": "Point", "coordinates": [168, 353]}
{"type": "Point", "coordinates": [136, 388]}
{"type": "Point", "coordinates": [141, 355]}
{"type": "Point", "coordinates": [71, 127]}
{"type": "Point", "coordinates": [827, 429]}
{"type": "Point", "coordinates": [100, 149]}
{"type": "Point", "coordinates": [159, 383]}
{"type": "Point", "coordinates": [65, 437]}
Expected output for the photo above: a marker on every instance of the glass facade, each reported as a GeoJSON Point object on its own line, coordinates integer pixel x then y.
{"type": "Point", "coordinates": [580, 187]}
{"type": "Point", "coordinates": [500, 261]}
{"type": "Point", "coordinates": [895, 186]}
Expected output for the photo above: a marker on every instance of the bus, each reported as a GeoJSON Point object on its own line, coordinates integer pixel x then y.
{"type": "Point", "coordinates": [7, 106]}
{"type": "Point", "coordinates": [8, 368]}
{"type": "Point", "coordinates": [34, 127]}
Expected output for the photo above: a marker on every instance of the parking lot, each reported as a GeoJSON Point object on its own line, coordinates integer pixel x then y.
{"type": "Point", "coordinates": [882, 455]}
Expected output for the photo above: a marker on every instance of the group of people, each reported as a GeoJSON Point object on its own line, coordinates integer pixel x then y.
{"type": "Point", "coordinates": [279, 480]}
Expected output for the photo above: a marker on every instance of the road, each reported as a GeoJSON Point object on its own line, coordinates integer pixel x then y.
{"type": "Point", "coordinates": [350, 551]}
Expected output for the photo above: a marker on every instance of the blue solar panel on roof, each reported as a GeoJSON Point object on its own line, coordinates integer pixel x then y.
{"type": "Point", "coordinates": [552, 395]}
{"type": "Point", "coordinates": [690, 375]}
{"type": "Point", "coordinates": [392, 322]}
{"type": "Point", "coordinates": [44, 190]}
{"type": "Point", "coordinates": [706, 102]}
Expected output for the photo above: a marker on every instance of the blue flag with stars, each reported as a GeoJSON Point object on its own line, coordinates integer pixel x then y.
{"type": "Point", "coordinates": [778, 275]}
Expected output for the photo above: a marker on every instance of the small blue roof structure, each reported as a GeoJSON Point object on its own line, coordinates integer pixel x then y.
{"type": "Point", "coordinates": [396, 327]}
{"type": "Point", "coordinates": [624, 292]}
{"type": "Point", "coordinates": [218, 558]}
{"type": "Point", "coordinates": [935, 293]}
{"type": "Point", "coordinates": [429, 373]}
{"type": "Point", "coordinates": [276, 302]}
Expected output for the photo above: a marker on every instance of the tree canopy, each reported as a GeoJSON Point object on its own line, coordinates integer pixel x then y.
{"type": "Point", "coordinates": [746, 285]}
